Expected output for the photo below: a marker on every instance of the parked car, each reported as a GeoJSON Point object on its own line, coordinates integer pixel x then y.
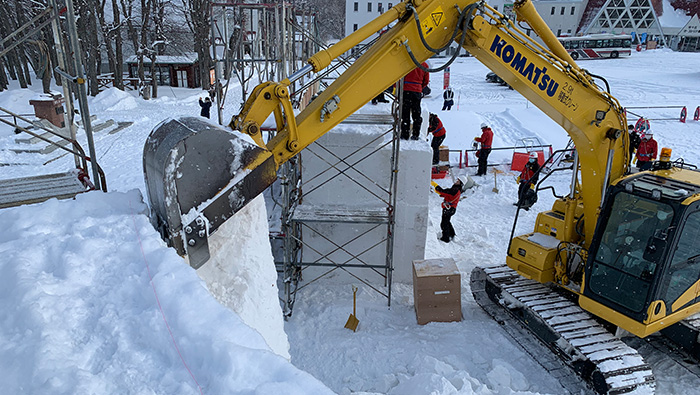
{"type": "Point", "coordinates": [494, 78]}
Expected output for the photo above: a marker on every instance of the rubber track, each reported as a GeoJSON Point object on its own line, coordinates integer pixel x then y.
{"type": "Point", "coordinates": [607, 364]}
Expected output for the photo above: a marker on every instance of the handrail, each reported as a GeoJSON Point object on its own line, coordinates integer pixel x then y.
{"type": "Point", "coordinates": [78, 150]}
{"type": "Point", "coordinates": [549, 160]}
{"type": "Point", "coordinates": [466, 161]}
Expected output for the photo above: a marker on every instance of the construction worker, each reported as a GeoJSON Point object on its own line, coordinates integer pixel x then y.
{"type": "Point", "coordinates": [414, 84]}
{"type": "Point", "coordinates": [634, 141]}
{"type": "Point", "coordinates": [449, 206]}
{"type": "Point", "coordinates": [483, 153]}
{"type": "Point", "coordinates": [435, 127]}
{"type": "Point", "coordinates": [448, 96]}
{"type": "Point", "coordinates": [527, 181]}
{"type": "Point", "coordinates": [647, 150]}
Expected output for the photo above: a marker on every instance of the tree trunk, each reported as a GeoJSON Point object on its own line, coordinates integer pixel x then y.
{"type": "Point", "coordinates": [200, 12]}
{"type": "Point", "coordinates": [87, 30]}
{"type": "Point", "coordinates": [20, 51]}
{"type": "Point", "coordinates": [107, 36]}
{"type": "Point", "coordinates": [118, 55]}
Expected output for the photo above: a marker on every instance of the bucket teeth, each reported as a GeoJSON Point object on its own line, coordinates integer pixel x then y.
{"type": "Point", "coordinates": [197, 176]}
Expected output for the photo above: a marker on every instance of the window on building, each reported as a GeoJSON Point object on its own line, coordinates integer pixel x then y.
{"type": "Point", "coordinates": [495, 7]}
{"type": "Point", "coordinates": [390, 5]}
{"type": "Point", "coordinates": [558, 32]}
{"type": "Point", "coordinates": [380, 8]}
{"type": "Point", "coordinates": [562, 11]}
{"type": "Point", "coordinates": [568, 32]}
{"type": "Point", "coordinates": [356, 6]}
{"type": "Point", "coordinates": [354, 27]}
{"type": "Point", "coordinates": [553, 8]}
{"type": "Point", "coordinates": [573, 9]}
{"type": "Point", "coordinates": [369, 7]}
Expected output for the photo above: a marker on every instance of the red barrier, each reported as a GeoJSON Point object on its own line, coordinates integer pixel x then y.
{"type": "Point", "coordinates": [696, 117]}
{"type": "Point", "coordinates": [521, 158]}
{"type": "Point", "coordinates": [684, 112]}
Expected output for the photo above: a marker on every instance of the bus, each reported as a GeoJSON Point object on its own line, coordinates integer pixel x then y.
{"type": "Point", "coordinates": [597, 46]}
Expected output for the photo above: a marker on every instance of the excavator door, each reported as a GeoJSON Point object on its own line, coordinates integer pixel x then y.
{"type": "Point", "coordinates": [197, 176]}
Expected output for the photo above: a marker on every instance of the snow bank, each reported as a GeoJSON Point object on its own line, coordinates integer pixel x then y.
{"type": "Point", "coordinates": [78, 313]}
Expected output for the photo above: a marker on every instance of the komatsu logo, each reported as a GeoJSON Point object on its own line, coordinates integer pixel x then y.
{"type": "Point", "coordinates": [518, 62]}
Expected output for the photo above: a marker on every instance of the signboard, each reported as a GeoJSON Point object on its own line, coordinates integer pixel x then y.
{"type": "Point", "coordinates": [446, 78]}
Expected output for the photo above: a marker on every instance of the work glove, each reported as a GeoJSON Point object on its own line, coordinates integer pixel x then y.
{"type": "Point", "coordinates": [517, 180]}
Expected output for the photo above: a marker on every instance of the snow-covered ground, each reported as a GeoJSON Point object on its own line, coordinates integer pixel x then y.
{"type": "Point", "coordinates": [94, 302]}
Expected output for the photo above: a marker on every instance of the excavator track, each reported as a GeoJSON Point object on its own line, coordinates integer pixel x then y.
{"type": "Point", "coordinates": [604, 362]}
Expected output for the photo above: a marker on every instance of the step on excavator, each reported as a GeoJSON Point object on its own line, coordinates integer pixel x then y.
{"type": "Point", "coordinates": [619, 251]}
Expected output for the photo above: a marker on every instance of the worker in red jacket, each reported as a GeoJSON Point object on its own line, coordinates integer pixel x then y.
{"type": "Point", "coordinates": [415, 83]}
{"type": "Point", "coordinates": [527, 180]}
{"type": "Point", "coordinates": [449, 206]}
{"type": "Point", "coordinates": [486, 139]}
{"type": "Point", "coordinates": [438, 131]}
{"type": "Point", "coordinates": [647, 150]}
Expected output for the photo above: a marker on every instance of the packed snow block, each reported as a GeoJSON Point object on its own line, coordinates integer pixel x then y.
{"type": "Point", "coordinates": [342, 168]}
{"type": "Point", "coordinates": [332, 195]}
{"type": "Point", "coordinates": [437, 295]}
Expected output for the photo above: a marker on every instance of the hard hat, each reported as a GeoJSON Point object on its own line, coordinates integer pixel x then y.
{"type": "Point", "coordinates": [462, 179]}
{"type": "Point", "coordinates": [483, 125]}
{"type": "Point", "coordinates": [533, 155]}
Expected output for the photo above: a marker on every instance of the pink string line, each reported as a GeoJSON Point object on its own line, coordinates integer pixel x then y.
{"type": "Point", "coordinates": [162, 313]}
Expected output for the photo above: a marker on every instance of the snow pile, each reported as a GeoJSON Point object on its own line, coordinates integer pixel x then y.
{"type": "Point", "coordinates": [241, 273]}
{"type": "Point", "coordinates": [79, 314]}
{"type": "Point", "coordinates": [113, 99]}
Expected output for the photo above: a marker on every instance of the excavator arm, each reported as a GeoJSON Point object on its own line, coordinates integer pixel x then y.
{"type": "Point", "coordinates": [226, 172]}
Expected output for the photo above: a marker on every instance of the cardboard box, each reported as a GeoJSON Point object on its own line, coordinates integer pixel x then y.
{"type": "Point", "coordinates": [444, 154]}
{"type": "Point", "coordinates": [437, 291]}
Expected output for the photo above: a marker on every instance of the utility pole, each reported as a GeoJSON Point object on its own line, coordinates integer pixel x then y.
{"type": "Point", "coordinates": [81, 89]}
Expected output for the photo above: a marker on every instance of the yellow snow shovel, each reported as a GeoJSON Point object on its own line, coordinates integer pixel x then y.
{"type": "Point", "coordinates": [495, 182]}
{"type": "Point", "coordinates": [352, 320]}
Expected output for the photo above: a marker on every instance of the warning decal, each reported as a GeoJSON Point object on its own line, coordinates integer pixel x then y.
{"type": "Point", "coordinates": [432, 22]}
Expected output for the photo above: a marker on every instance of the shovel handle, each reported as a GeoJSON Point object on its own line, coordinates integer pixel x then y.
{"type": "Point", "coordinates": [354, 298]}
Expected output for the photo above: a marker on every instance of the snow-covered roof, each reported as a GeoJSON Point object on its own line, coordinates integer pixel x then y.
{"type": "Point", "coordinates": [671, 17]}
{"type": "Point", "coordinates": [188, 58]}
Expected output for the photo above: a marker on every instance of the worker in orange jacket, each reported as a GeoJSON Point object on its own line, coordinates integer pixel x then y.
{"type": "Point", "coordinates": [647, 150]}
{"type": "Point", "coordinates": [449, 206]}
{"type": "Point", "coordinates": [415, 85]}
{"type": "Point", "coordinates": [438, 131]}
{"type": "Point", "coordinates": [483, 153]}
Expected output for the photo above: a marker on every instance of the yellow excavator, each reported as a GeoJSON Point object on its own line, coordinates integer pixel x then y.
{"type": "Point", "coordinates": [618, 251]}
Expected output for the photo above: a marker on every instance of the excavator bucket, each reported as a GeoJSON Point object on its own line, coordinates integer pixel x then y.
{"type": "Point", "coordinates": [197, 176]}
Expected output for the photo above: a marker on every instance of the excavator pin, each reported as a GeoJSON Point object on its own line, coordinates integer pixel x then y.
{"type": "Point", "coordinates": [197, 176]}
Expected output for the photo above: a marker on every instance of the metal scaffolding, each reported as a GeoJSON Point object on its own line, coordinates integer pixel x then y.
{"type": "Point", "coordinates": [268, 42]}
{"type": "Point", "coordinates": [260, 42]}
{"type": "Point", "coordinates": [371, 225]}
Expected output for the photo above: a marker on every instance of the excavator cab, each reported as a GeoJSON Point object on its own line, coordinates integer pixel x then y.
{"type": "Point", "coordinates": [643, 268]}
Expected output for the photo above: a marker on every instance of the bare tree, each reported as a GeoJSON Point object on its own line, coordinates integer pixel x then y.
{"type": "Point", "coordinates": [198, 14]}
{"type": "Point", "coordinates": [112, 36]}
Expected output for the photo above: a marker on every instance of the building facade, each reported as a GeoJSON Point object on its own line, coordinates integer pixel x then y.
{"type": "Point", "coordinates": [569, 18]}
